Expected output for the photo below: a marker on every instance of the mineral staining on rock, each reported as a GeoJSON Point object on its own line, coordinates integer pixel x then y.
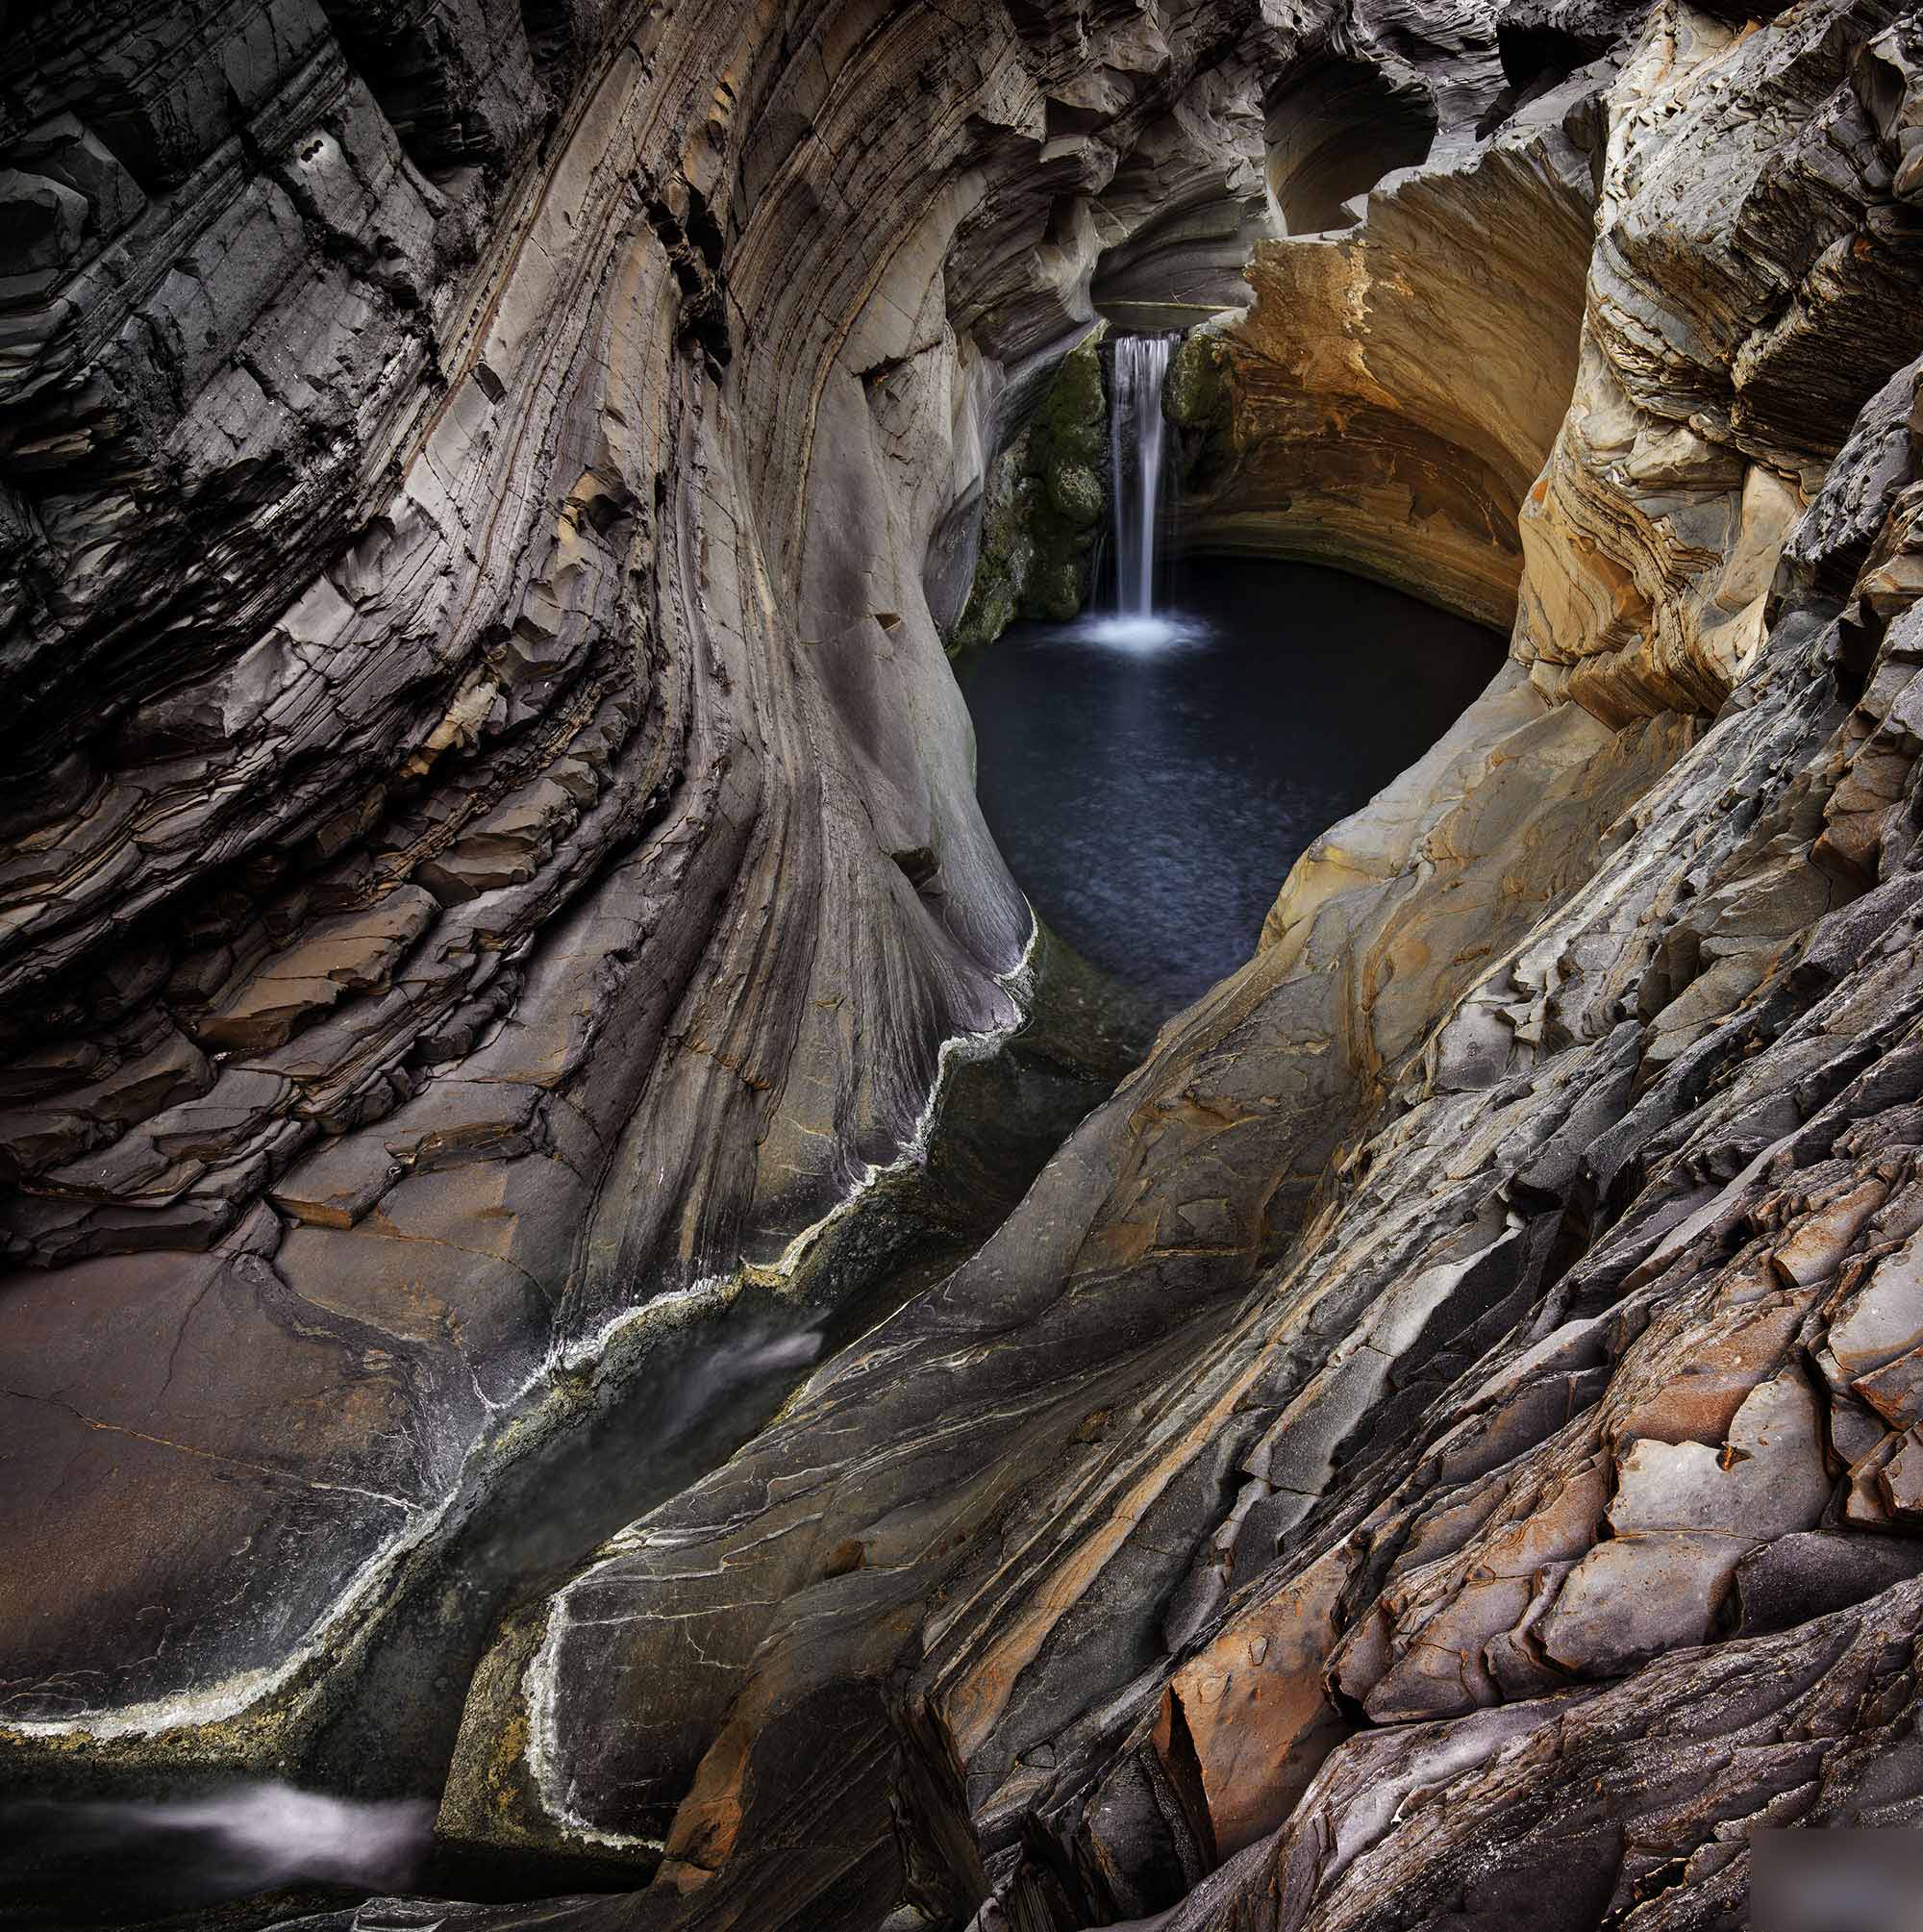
{"type": "Point", "coordinates": [1391, 395]}
{"type": "Point", "coordinates": [493, 862]}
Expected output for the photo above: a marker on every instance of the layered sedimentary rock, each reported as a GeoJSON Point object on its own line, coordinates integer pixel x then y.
{"type": "Point", "coordinates": [1176, 230]}
{"type": "Point", "coordinates": [1705, 411]}
{"type": "Point", "coordinates": [1453, 1412]}
{"type": "Point", "coordinates": [1503, 1285]}
{"type": "Point", "coordinates": [491, 849]}
{"type": "Point", "coordinates": [1388, 399]}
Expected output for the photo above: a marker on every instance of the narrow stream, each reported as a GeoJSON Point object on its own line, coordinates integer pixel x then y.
{"type": "Point", "coordinates": [353, 1810]}
{"type": "Point", "coordinates": [1150, 775]}
{"type": "Point", "coordinates": [1151, 796]}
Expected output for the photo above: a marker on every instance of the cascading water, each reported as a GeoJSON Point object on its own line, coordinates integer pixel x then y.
{"type": "Point", "coordinates": [1135, 443]}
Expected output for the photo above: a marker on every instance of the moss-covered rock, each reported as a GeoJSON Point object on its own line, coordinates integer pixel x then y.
{"type": "Point", "coordinates": [1075, 493]}
{"type": "Point", "coordinates": [1058, 586]}
{"type": "Point", "coordinates": [1046, 498]}
{"type": "Point", "coordinates": [1073, 424]}
{"type": "Point", "coordinates": [1067, 442]}
{"type": "Point", "coordinates": [1196, 398]}
{"type": "Point", "coordinates": [1007, 553]}
{"type": "Point", "coordinates": [1193, 395]}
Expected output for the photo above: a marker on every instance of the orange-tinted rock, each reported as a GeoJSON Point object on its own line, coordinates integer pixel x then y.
{"type": "Point", "coordinates": [1255, 1707]}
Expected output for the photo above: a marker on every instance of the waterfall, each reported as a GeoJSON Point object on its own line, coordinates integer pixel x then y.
{"type": "Point", "coordinates": [1135, 455]}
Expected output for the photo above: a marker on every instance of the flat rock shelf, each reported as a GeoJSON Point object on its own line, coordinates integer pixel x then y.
{"type": "Point", "coordinates": [1151, 798]}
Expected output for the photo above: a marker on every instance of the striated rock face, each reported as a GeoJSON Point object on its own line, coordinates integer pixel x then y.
{"type": "Point", "coordinates": [496, 866]}
{"type": "Point", "coordinates": [491, 851]}
{"type": "Point", "coordinates": [1389, 398]}
{"type": "Point", "coordinates": [1477, 1301]}
{"type": "Point", "coordinates": [1705, 400]}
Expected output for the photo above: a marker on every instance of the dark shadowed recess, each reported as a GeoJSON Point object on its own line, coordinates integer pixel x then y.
{"type": "Point", "coordinates": [1151, 802]}
{"type": "Point", "coordinates": [1335, 127]}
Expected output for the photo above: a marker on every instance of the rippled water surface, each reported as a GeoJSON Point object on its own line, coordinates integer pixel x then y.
{"type": "Point", "coordinates": [1151, 786]}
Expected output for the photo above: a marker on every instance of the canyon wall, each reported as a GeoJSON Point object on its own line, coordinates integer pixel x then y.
{"type": "Point", "coordinates": [492, 864]}
{"type": "Point", "coordinates": [496, 866]}
{"type": "Point", "coordinates": [1388, 400]}
{"type": "Point", "coordinates": [1453, 1392]}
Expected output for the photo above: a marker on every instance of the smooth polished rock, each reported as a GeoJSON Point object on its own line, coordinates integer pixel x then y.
{"type": "Point", "coordinates": [491, 856]}
{"type": "Point", "coordinates": [1390, 397]}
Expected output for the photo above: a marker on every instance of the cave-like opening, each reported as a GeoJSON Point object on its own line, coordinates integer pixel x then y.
{"type": "Point", "coordinates": [1534, 60]}
{"type": "Point", "coordinates": [1334, 128]}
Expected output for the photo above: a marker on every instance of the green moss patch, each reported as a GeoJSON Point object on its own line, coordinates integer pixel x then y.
{"type": "Point", "coordinates": [1046, 499]}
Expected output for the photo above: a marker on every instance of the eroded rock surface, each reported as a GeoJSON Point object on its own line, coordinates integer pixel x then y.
{"type": "Point", "coordinates": [1437, 1327]}
{"type": "Point", "coordinates": [491, 847]}
{"type": "Point", "coordinates": [1389, 398]}
{"type": "Point", "coordinates": [1456, 1406]}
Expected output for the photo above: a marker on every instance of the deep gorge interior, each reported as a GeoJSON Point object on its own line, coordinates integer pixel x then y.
{"type": "Point", "coordinates": [573, 1255]}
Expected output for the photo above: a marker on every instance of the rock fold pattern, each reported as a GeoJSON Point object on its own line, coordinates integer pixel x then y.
{"type": "Point", "coordinates": [491, 858]}
{"type": "Point", "coordinates": [1454, 1412]}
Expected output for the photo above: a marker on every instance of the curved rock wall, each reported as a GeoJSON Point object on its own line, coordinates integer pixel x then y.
{"type": "Point", "coordinates": [1455, 1404]}
{"type": "Point", "coordinates": [1336, 125]}
{"type": "Point", "coordinates": [1178, 218]}
{"type": "Point", "coordinates": [493, 844]}
{"type": "Point", "coordinates": [1502, 1283]}
{"type": "Point", "coordinates": [1706, 411]}
{"type": "Point", "coordinates": [1391, 395]}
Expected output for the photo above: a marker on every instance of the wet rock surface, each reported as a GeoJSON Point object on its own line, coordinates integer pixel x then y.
{"type": "Point", "coordinates": [1043, 504]}
{"type": "Point", "coordinates": [492, 851]}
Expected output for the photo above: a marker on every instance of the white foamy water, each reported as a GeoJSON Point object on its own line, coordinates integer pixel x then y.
{"type": "Point", "coordinates": [1156, 631]}
{"type": "Point", "coordinates": [220, 1845]}
{"type": "Point", "coordinates": [276, 1832]}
